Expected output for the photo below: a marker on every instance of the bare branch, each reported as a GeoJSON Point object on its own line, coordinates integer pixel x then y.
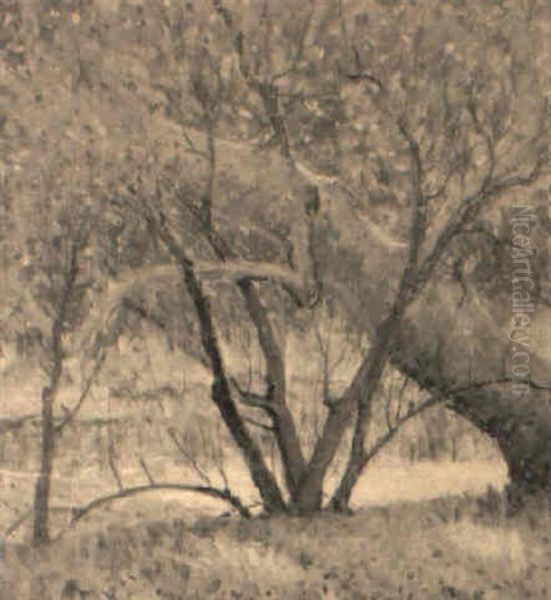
{"type": "Point", "coordinates": [191, 146]}
{"type": "Point", "coordinates": [255, 271]}
{"type": "Point", "coordinates": [479, 128]}
{"type": "Point", "coordinates": [223, 475]}
{"type": "Point", "coordinates": [17, 523]}
{"type": "Point", "coordinates": [520, 180]}
{"type": "Point", "coordinates": [189, 458]}
{"type": "Point", "coordinates": [225, 495]}
{"type": "Point", "coordinates": [259, 424]}
{"type": "Point", "coordinates": [113, 464]}
{"type": "Point", "coordinates": [384, 439]}
{"type": "Point", "coordinates": [146, 471]}
{"type": "Point", "coordinates": [71, 414]}
{"type": "Point", "coordinates": [11, 529]}
{"type": "Point", "coordinates": [442, 188]}
{"type": "Point", "coordinates": [255, 400]}
{"type": "Point", "coordinates": [418, 218]}
{"type": "Point", "coordinates": [324, 350]}
{"type": "Point", "coordinates": [238, 42]}
{"type": "Point", "coordinates": [469, 209]}
{"type": "Point", "coordinates": [388, 406]}
{"type": "Point", "coordinates": [299, 52]}
{"type": "Point", "coordinates": [401, 397]}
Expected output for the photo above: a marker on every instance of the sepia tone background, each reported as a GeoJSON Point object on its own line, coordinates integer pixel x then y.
{"type": "Point", "coordinates": [260, 263]}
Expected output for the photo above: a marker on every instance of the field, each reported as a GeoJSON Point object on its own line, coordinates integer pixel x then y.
{"type": "Point", "coordinates": [417, 535]}
{"type": "Point", "coordinates": [420, 530]}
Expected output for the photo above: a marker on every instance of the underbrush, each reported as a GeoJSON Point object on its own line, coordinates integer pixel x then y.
{"type": "Point", "coordinates": [457, 547]}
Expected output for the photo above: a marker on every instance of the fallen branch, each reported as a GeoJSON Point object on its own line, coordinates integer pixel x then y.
{"type": "Point", "coordinates": [220, 494]}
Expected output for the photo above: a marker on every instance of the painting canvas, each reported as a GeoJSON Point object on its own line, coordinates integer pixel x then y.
{"type": "Point", "coordinates": [275, 299]}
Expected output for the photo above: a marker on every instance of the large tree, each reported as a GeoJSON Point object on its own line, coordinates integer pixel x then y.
{"type": "Point", "coordinates": [354, 158]}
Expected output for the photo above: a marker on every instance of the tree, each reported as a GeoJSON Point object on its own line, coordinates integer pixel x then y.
{"type": "Point", "coordinates": [49, 250]}
{"type": "Point", "coordinates": [330, 158]}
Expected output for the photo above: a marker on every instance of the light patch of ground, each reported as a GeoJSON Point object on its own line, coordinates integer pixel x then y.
{"type": "Point", "coordinates": [383, 484]}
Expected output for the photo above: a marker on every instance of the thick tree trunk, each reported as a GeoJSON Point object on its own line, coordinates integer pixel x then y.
{"type": "Point", "coordinates": [521, 428]}
{"type": "Point", "coordinates": [520, 425]}
{"type": "Point", "coordinates": [42, 487]}
{"type": "Point", "coordinates": [284, 426]}
{"type": "Point", "coordinates": [310, 497]}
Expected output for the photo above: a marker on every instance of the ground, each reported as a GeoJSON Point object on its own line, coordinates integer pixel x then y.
{"type": "Point", "coordinates": [456, 546]}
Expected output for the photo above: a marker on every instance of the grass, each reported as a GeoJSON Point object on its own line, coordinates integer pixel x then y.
{"type": "Point", "coordinates": [453, 547]}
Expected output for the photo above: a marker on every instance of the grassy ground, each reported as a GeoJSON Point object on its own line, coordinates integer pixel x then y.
{"type": "Point", "coordinates": [457, 547]}
{"type": "Point", "coordinates": [384, 482]}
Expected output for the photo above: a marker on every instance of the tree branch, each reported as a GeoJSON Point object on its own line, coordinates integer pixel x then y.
{"type": "Point", "coordinates": [71, 414]}
{"type": "Point", "coordinates": [145, 469]}
{"type": "Point", "coordinates": [418, 218]}
{"type": "Point", "coordinates": [202, 475]}
{"type": "Point", "coordinates": [384, 439]}
{"type": "Point", "coordinates": [441, 190]}
{"type": "Point", "coordinates": [113, 464]}
{"type": "Point", "coordinates": [262, 401]}
{"type": "Point", "coordinates": [305, 27]}
{"type": "Point", "coordinates": [469, 209]}
{"type": "Point", "coordinates": [256, 423]}
{"type": "Point", "coordinates": [220, 494]}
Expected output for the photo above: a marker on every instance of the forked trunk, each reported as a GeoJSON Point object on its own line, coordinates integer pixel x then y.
{"type": "Point", "coordinates": [310, 497]}
{"type": "Point", "coordinates": [221, 395]}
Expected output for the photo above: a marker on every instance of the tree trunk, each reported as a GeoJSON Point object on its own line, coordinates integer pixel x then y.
{"type": "Point", "coordinates": [520, 425]}
{"type": "Point", "coordinates": [221, 395]}
{"type": "Point", "coordinates": [284, 426]}
{"type": "Point", "coordinates": [310, 497]}
{"type": "Point", "coordinates": [522, 430]}
{"type": "Point", "coordinates": [42, 486]}
{"type": "Point", "coordinates": [370, 373]}
{"type": "Point", "coordinates": [49, 393]}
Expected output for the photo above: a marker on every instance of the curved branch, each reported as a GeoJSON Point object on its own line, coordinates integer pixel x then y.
{"type": "Point", "coordinates": [225, 495]}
